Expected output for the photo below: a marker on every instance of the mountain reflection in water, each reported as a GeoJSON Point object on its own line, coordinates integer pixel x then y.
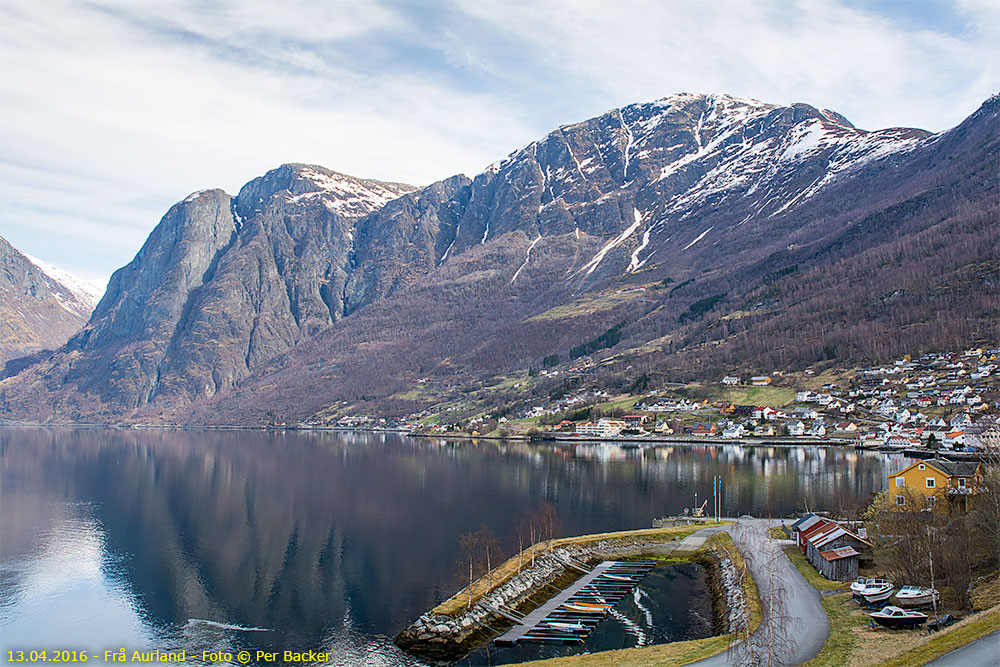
{"type": "Point", "coordinates": [328, 541]}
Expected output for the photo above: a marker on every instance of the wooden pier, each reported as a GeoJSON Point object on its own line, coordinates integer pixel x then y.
{"type": "Point", "coordinates": [573, 613]}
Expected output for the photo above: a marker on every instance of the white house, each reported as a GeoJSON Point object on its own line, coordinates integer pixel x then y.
{"type": "Point", "coordinates": [954, 439]}
{"type": "Point", "coordinates": [605, 428]}
{"type": "Point", "coordinates": [734, 431]}
{"type": "Point", "coordinates": [961, 420]}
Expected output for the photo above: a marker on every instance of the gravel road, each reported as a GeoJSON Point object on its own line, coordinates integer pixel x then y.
{"type": "Point", "coordinates": [800, 627]}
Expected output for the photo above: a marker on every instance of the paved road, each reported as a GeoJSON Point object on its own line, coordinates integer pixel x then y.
{"type": "Point", "coordinates": [983, 652]}
{"type": "Point", "coordinates": [800, 627]}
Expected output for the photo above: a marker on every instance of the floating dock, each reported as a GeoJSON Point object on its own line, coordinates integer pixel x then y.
{"type": "Point", "coordinates": [571, 615]}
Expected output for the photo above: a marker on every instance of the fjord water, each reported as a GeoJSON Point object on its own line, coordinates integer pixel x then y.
{"type": "Point", "coordinates": [225, 540]}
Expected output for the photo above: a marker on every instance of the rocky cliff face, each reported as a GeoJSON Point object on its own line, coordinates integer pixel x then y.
{"type": "Point", "coordinates": [221, 285]}
{"type": "Point", "coordinates": [37, 310]}
{"type": "Point", "coordinates": [309, 278]}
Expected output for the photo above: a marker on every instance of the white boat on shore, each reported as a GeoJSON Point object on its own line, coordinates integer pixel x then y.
{"type": "Point", "coordinates": [894, 617]}
{"type": "Point", "coordinates": [879, 591]}
{"type": "Point", "coordinates": [916, 596]}
{"type": "Point", "coordinates": [861, 583]}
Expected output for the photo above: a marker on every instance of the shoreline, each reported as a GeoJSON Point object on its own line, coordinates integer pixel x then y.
{"type": "Point", "coordinates": [626, 442]}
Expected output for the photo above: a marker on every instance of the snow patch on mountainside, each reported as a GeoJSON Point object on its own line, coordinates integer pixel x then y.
{"type": "Point", "coordinates": [731, 161]}
{"type": "Point", "coordinates": [527, 256]}
{"type": "Point", "coordinates": [74, 294]}
{"type": "Point", "coordinates": [700, 237]}
{"type": "Point", "coordinates": [348, 196]}
{"type": "Point", "coordinates": [614, 243]}
{"type": "Point", "coordinates": [635, 264]}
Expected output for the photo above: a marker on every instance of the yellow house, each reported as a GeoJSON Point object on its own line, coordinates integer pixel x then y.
{"type": "Point", "coordinates": [941, 483]}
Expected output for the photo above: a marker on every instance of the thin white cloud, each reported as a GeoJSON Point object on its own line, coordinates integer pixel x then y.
{"type": "Point", "coordinates": [133, 112]}
{"type": "Point", "coordinates": [857, 62]}
{"type": "Point", "coordinates": [114, 110]}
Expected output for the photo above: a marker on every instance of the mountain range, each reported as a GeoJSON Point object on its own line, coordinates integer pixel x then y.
{"type": "Point", "coordinates": [671, 239]}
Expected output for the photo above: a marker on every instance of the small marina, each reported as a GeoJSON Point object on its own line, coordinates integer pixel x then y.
{"type": "Point", "coordinates": [572, 614]}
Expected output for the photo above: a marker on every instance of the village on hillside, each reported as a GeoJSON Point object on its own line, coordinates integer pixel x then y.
{"type": "Point", "coordinates": [937, 401]}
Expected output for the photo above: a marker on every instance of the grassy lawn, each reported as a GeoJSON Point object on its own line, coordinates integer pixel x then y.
{"type": "Point", "coordinates": [841, 610]}
{"type": "Point", "coordinates": [623, 402]}
{"type": "Point", "coordinates": [661, 655]}
{"type": "Point", "coordinates": [777, 533]}
{"type": "Point", "coordinates": [588, 304]}
{"type": "Point", "coordinates": [842, 640]}
{"type": "Point", "coordinates": [412, 395]}
{"type": "Point", "coordinates": [772, 396]}
{"type": "Point", "coordinates": [853, 643]}
{"type": "Point", "coordinates": [523, 424]}
{"type": "Point", "coordinates": [808, 572]}
{"type": "Point", "coordinates": [949, 639]}
{"type": "Point", "coordinates": [499, 575]}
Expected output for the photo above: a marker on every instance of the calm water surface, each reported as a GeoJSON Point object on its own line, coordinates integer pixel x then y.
{"type": "Point", "coordinates": [333, 542]}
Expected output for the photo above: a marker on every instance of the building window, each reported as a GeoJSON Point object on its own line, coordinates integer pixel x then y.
{"type": "Point", "coordinates": [929, 481]}
{"type": "Point", "coordinates": [900, 500]}
{"type": "Point", "coordinates": [961, 481]}
{"type": "Point", "coordinates": [921, 466]}
{"type": "Point", "coordinates": [931, 501]}
{"type": "Point", "coordinates": [900, 481]}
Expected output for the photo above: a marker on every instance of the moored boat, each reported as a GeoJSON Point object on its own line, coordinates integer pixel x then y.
{"type": "Point", "coordinates": [916, 596]}
{"type": "Point", "coordinates": [583, 608]}
{"type": "Point", "coordinates": [571, 627]}
{"type": "Point", "coordinates": [895, 617]}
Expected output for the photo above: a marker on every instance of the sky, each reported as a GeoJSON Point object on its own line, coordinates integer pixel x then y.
{"type": "Point", "coordinates": [113, 110]}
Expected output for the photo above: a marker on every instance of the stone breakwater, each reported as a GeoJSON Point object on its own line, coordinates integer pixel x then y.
{"type": "Point", "coordinates": [444, 637]}
{"type": "Point", "coordinates": [737, 609]}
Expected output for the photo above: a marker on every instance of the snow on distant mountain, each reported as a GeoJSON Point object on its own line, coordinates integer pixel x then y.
{"type": "Point", "coordinates": [41, 306]}
{"type": "Point", "coordinates": [83, 294]}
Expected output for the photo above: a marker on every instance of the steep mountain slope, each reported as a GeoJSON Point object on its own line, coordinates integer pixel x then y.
{"type": "Point", "coordinates": [221, 285]}
{"type": "Point", "coordinates": [41, 306]}
{"type": "Point", "coordinates": [686, 220]}
{"type": "Point", "coordinates": [897, 251]}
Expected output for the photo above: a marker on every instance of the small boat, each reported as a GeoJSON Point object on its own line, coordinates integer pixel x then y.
{"type": "Point", "coordinates": [572, 627]}
{"type": "Point", "coordinates": [895, 617]}
{"type": "Point", "coordinates": [616, 577]}
{"type": "Point", "coordinates": [593, 605]}
{"type": "Point", "coordinates": [916, 596]}
{"type": "Point", "coordinates": [861, 583]}
{"type": "Point", "coordinates": [877, 592]}
{"type": "Point", "coordinates": [584, 608]}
